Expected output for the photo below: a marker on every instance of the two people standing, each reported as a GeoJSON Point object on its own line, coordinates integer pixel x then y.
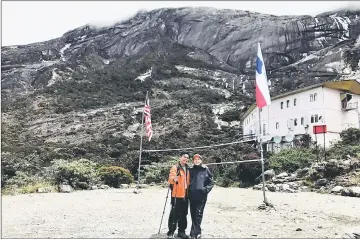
{"type": "Point", "coordinates": [188, 184]}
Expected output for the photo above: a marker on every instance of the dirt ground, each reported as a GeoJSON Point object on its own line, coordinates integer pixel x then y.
{"type": "Point", "coordinates": [229, 213]}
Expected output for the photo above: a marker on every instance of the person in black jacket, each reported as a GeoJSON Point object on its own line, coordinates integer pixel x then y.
{"type": "Point", "coordinates": [201, 183]}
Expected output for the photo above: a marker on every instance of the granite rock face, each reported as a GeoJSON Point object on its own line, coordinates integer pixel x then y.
{"type": "Point", "coordinates": [197, 63]}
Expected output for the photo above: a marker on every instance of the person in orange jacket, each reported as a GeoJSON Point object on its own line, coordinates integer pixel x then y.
{"type": "Point", "coordinates": [179, 180]}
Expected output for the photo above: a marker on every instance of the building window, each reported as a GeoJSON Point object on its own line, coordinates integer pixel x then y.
{"type": "Point", "coordinates": [287, 103]}
{"type": "Point", "coordinates": [295, 102]}
{"type": "Point", "coordinates": [302, 120]}
{"type": "Point", "coordinates": [311, 98]}
{"type": "Point", "coordinates": [282, 105]}
{"type": "Point", "coordinates": [277, 125]}
{"type": "Point", "coordinates": [290, 123]}
{"type": "Point", "coordinates": [314, 119]}
{"type": "Point", "coordinates": [295, 122]}
{"type": "Point", "coordinates": [315, 96]}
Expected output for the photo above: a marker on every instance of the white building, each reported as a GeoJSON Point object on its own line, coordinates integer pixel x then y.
{"type": "Point", "coordinates": [293, 114]}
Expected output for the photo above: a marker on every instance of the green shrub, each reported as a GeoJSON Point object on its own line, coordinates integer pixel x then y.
{"type": "Point", "coordinates": [79, 174]}
{"type": "Point", "coordinates": [341, 151]}
{"type": "Point", "coordinates": [290, 160]}
{"type": "Point", "coordinates": [305, 141]}
{"type": "Point", "coordinates": [350, 136]}
{"type": "Point", "coordinates": [23, 183]}
{"type": "Point", "coordinates": [114, 176]}
{"type": "Point", "coordinates": [158, 172]}
{"type": "Point", "coordinates": [224, 182]}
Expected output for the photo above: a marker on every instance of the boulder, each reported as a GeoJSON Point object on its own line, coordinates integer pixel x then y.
{"type": "Point", "coordinates": [124, 186]}
{"type": "Point", "coordinates": [272, 187]}
{"type": "Point", "coordinates": [345, 192]}
{"type": "Point", "coordinates": [293, 185]}
{"type": "Point", "coordinates": [337, 189]}
{"type": "Point", "coordinates": [94, 187]}
{"type": "Point", "coordinates": [321, 182]}
{"type": "Point", "coordinates": [104, 186]}
{"type": "Point", "coordinates": [304, 189]}
{"type": "Point", "coordinates": [268, 174]}
{"type": "Point", "coordinates": [43, 190]}
{"type": "Point", "coordinates": [289, 190]}
{"type": "Point", "coordinates": [258, 187]}
{"type": "Point", "coordinates": [65, 188]}
{"type": "Point", "coordinates": [284, 187]}
{"type": "Point", "coordinates": [143, 185]}
{"type": "Point", "coordinates": [302, 172]}
{"type": "Point", "coordinates": [354, 192]}
{"type": "Point", "coordinates": [282, 175]}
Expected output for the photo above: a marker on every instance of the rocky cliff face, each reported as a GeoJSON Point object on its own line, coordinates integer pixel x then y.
{"type": "Point", "coordinates": [86, 88]}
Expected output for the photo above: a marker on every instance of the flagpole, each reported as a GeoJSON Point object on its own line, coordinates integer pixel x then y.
{"type": "Point", "coordinates": [141, 139]}
{"type": "Point", "coordinates": [263, 84]}
{"type": "Point", "coordinates": [262, 157]}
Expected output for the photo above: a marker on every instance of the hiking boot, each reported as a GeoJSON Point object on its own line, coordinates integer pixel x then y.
{"type": "Point", "coordinates": [183, 235]}
{"type": "Point", "coordinates": [170, 235]}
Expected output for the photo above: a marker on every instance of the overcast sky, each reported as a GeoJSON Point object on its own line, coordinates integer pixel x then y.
{"type": "Point", "coordinates": [28, 22]}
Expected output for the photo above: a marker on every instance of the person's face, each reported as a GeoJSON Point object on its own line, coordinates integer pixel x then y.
{"type": "Point", "coordinates": [197, 161]}
{"type": "Point", "coordinates": [184, 159]}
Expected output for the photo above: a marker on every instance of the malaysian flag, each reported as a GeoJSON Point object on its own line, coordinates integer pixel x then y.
{"type": "Point", "coordinates": [147, 116]}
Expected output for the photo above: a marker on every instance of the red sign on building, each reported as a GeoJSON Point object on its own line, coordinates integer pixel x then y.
{"type": "Point", "coordinates": [319, 129]}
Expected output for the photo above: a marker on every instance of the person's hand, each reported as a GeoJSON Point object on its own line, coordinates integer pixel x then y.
{"type": "Point", "coordinates": [176, 178]}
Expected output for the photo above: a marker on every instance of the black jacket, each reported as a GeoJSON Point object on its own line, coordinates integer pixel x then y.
{"type": "Point", "coordinates": [201, 182]}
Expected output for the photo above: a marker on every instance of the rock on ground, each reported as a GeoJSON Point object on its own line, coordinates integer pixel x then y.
{"type": "Point", "coordinates": [65, 188]}
{"type": "Point", "coordinates": [229, 213]}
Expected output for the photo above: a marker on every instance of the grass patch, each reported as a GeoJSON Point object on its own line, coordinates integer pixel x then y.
{"type": "Point", "coordinates": [356, 179]}
{"type": "Point", "coordinates": [26, 189]}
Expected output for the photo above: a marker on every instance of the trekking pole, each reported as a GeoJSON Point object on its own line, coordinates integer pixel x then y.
{"type": "Point", "coordinates": [174, 211]}
{"type": "Point", "coordinates": [174, 206]}
{"type": "Point", "coordinates": [167, 195]}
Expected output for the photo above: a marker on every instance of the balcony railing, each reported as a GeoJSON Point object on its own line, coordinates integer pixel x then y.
{"type": "Point", "coordinates": [350, 106]}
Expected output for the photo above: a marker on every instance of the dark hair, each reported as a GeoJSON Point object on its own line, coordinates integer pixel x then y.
{"type": "Point", "coordinates": [185, 154]}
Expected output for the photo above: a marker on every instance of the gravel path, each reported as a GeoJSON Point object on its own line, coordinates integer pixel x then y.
{"type": "Point", "coordinates": [229, 213]}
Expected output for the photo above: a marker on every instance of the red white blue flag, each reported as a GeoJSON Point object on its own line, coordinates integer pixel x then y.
{"type": "Point", "coordinates": [147, 117]}
{"type": "Point", "coordinates": [262, 88]}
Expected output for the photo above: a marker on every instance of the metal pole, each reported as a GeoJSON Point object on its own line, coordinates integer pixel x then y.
{"type": "Point", "coordinates": [262, 157]}
{"type": "Point", "coordinates": [317, 149]}
{"type": "Point", "coordinates": [324, 148]}
{"type": "Point", "coordinates": [141, 139]}
{"type": "Point", "coordinates": [167, 195]}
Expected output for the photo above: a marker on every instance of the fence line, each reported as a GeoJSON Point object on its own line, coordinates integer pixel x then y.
{"type": "Point", "coordinates": [200, 147]}
{"type": "Point", "coordinates": [230, 162]}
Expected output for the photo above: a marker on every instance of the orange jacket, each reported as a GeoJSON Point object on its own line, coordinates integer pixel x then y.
{"type": "Point", "coordinates": [180, 189]}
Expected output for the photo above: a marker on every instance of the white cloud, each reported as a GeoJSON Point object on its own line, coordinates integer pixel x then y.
{"type": "Point", "coordinates": [27, 22]}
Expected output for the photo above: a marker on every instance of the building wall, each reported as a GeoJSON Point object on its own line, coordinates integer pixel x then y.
{"type": "Point", "coordinates": [273, 114]}
{"type": "Point", "coordinates": [336, 119]}
{"type": "Point", "coordinates": [324, 109]}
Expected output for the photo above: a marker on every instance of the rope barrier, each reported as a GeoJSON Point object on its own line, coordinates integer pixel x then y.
{"type": "Point", "coordinates": [201, 147]}
{"type": "Point", "coordinates": [231, 162]}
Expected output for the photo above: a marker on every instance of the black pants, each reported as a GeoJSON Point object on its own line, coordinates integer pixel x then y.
{"type": "Point", "coordinates": [197, 212]}
{"type": "Point", "coordinates": [178, 215]}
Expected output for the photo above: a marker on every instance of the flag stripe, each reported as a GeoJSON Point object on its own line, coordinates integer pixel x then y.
{"type": "Point", "coordinates": [147, 117]}
{"type": "Point", "coordinates": [262, 88]}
